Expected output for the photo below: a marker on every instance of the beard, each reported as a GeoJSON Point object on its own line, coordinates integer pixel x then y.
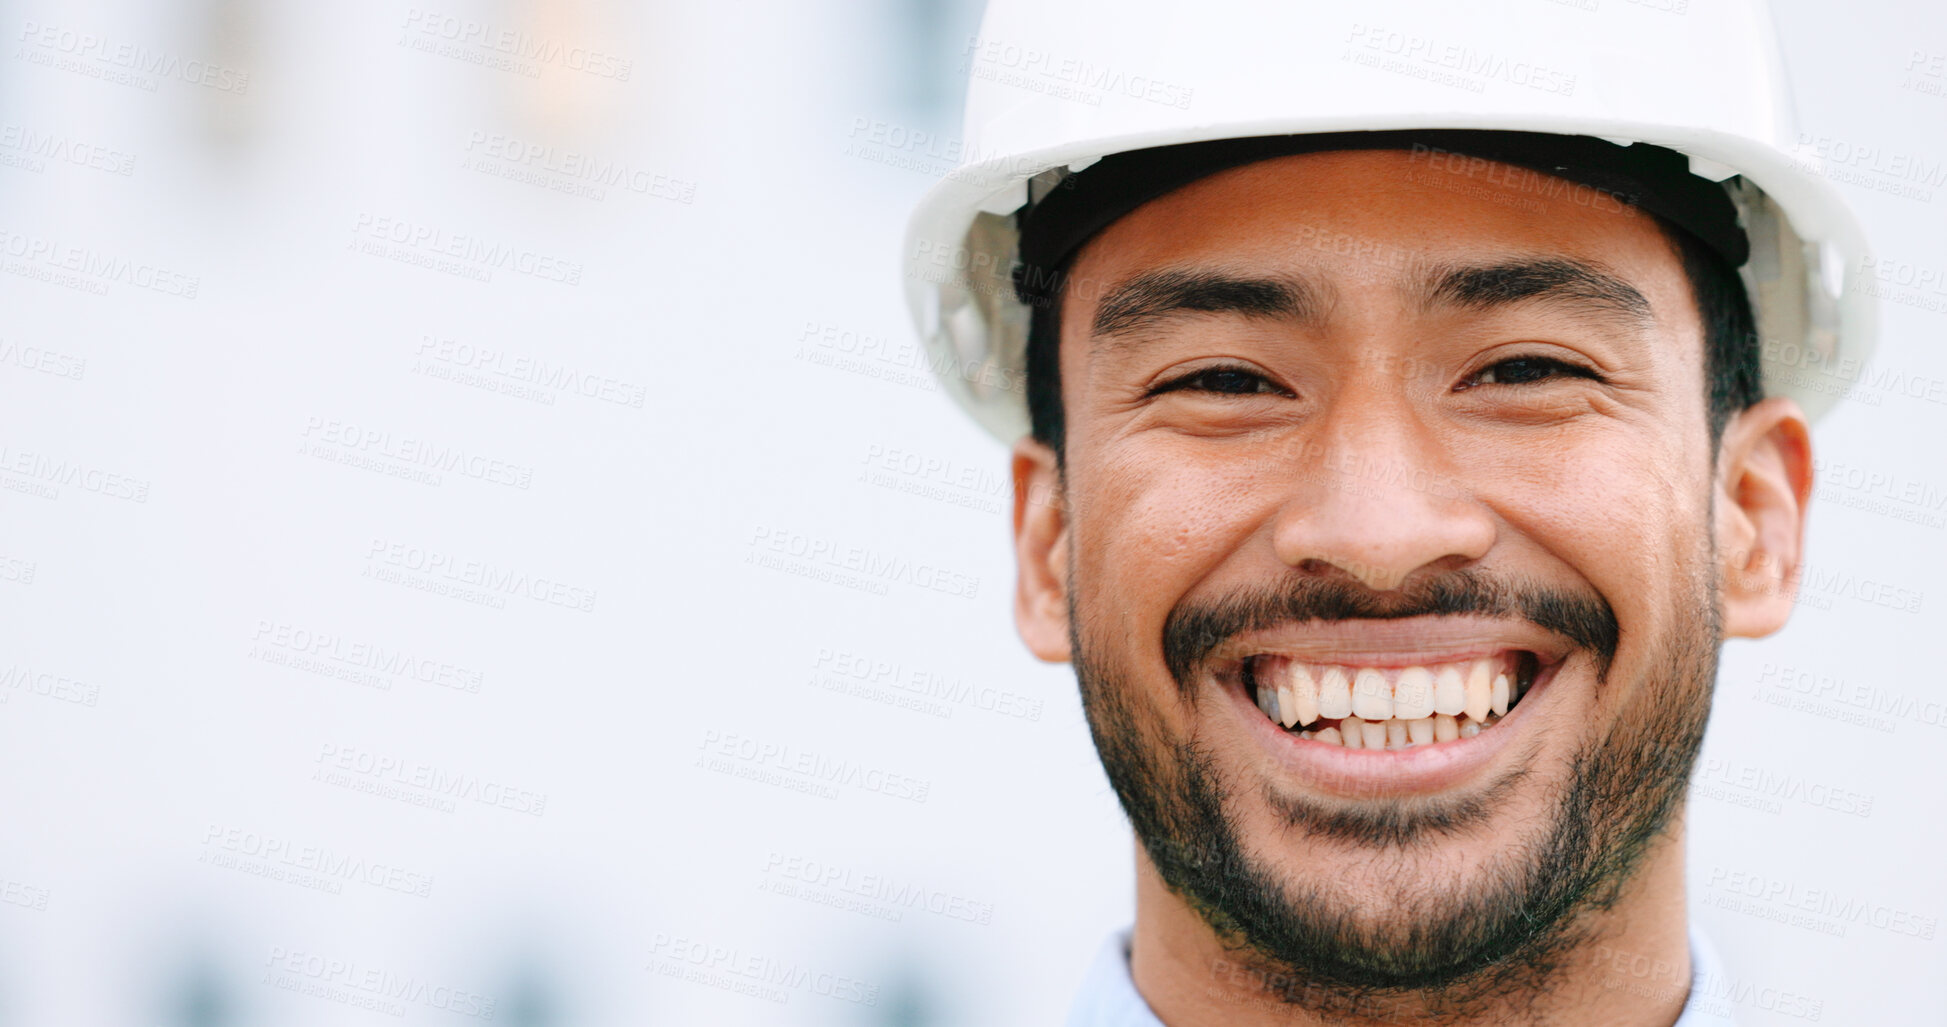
{"type": "Point", "coordinates": [1485, 939]}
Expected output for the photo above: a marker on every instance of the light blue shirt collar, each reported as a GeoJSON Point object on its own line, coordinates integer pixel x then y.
{"type": "Point", "coordinates": [1109, 998]}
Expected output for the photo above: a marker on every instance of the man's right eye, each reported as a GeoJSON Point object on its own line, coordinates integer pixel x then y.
{"type": "Point", "coordinates": [1224, 380]}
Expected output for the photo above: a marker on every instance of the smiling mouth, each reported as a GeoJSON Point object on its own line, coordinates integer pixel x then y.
{"type": "Point", "coordinates": [1364, 707]}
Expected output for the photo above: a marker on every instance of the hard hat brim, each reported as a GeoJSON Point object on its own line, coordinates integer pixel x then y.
{"type": "Point", "coordinates": [1815, 323]}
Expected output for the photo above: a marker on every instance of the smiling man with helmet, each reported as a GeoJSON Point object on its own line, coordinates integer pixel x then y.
{"type": "Point", "coordinates": [1400, 423]}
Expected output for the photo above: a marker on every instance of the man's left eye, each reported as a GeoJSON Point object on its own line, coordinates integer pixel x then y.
{"type": "Point", "coordinates": [1526, 370]}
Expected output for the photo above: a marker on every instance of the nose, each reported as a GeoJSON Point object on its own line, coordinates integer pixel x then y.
{"type": "Point", "coordinates": [1377, 497]}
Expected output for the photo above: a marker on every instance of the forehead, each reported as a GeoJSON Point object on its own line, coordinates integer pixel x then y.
{"type": "Point", "coordinates": [1376, 218]}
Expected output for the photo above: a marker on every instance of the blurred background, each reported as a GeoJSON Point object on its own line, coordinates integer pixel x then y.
{"type": "Point", "coordinates": [478, 541]}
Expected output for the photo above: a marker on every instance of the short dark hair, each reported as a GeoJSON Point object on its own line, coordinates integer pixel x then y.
{"type": "Point", "coordinates": [1733, 379]}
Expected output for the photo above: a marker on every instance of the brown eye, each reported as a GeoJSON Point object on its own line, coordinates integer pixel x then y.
{"type": "Point", "coordinates": [1528, 370]}
{"type": "Point", "coordinates": [1228, 381]}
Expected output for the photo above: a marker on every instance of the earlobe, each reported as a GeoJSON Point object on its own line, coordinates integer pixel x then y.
{"type": "Point", "coordinates": [1040, 552]}
{"type": "Point", "coordinates": [1764, 482]}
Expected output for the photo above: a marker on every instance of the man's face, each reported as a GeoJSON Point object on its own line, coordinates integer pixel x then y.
{"type": "Point", "coordinates": [1340, 416]}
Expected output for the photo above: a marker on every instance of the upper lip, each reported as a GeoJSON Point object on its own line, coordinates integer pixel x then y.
{"type": "Point", "coordinates": [1405, 642]}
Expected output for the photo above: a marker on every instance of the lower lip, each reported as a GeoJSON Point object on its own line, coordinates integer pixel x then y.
{"type": "Point", "coordinates": [1379, 773]}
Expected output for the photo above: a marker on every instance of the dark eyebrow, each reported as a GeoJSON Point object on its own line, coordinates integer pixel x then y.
{"type": "Point", "coordinates": [1155, 295]}
{"type": "Point", "coordinates": [1559, 280]}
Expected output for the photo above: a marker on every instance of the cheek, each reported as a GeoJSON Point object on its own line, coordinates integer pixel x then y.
{"type": "Point", "coordinates": [1625, 514]}
{"type": "Point", "coordinates": [1149, 525]}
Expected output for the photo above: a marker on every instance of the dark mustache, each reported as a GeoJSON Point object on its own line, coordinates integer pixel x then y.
{"type": "Point", "coordinates": [1194, 629]}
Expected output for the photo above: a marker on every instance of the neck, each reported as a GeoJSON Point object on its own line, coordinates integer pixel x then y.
{"type": "Point", "coordinates": [1630, 968]}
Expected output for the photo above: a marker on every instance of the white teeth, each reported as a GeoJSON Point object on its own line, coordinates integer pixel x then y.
{"type": "Point", "coordinates": [1479, 689]}
{"type": "Point", "coordinates": [1297, 692]}
{"type": "Point", "coordinates": [1450, 691]}
{"type": "Point", "coordinates": [1305, 691]}
{"type": "Point", "coordinates": [1413, 696]}
{"type": "Point", "coordinates": [1334, 694]}
{"type": "Point", "coordinates": [1423, 707]}
{"type": "Point", "coordinates": [1287, 694]}
{"type": "Point", "coordinates": [1372, 696]}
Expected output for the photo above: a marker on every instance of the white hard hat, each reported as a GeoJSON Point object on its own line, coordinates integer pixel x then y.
{"type": "Point", "coordinates": [1055, 86]}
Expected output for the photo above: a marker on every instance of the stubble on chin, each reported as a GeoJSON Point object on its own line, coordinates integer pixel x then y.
{"type": "Point", "coordinates": [1493, 938]}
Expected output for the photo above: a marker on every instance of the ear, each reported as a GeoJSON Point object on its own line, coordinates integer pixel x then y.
{"type": "Point", "coordinates": [1040, 552]}
{"type": "Point", "coordinates": [1764, 481]}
